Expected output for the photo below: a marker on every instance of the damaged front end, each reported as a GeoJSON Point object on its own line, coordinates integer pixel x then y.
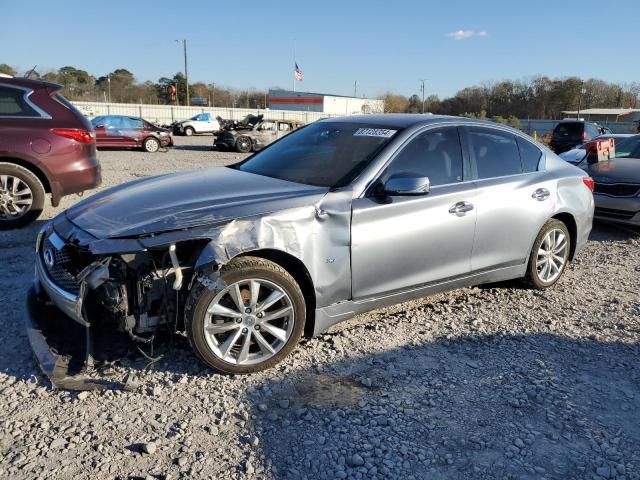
{"type": "Point", "coordinates": [86, 287]}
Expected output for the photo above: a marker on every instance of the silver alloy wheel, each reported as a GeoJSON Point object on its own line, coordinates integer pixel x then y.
{"type": "Point", "coordinates": [244, 143]}
{"type": "Point", "coordinates": [152, 145]}
{"type": "Point", "coordinates": [552, 255]}
{"type": "Point", "coordinates": [16, 197]}
{"type": "Point", "coordinates": [249, 321]}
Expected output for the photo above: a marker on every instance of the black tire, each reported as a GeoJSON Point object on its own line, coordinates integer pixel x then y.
{"type": "Point", "coordinates": [532, 278]}
{"type": "Point", "coordinates": [151, 145]}
{"type": "Point", "coordinates": [244, 144]}
{"type": "Point", "coordinates": [188, 131]}
{"type": "Point", "coordinates": [237, 270]}
{"type": "Point", "coordinates": [37, 196]}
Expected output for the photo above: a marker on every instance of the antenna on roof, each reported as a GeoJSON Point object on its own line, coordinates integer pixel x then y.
{"type": "Point", "coordinates": [28, 74]}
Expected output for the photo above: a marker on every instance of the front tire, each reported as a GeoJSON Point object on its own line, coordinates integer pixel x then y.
{"type": "Point", "coordinates": [21, 196]}
{"type": "Point", "coordinates": [549, 256]}
{"type": "Point", "coordinates": [189, 131]}
{"type": "Point", "coordinates": [151, 145]}
{"type": "Point", "coordinates": [250, 324]}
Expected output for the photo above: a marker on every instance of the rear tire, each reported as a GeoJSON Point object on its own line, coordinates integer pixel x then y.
{"type": "Point", "coordinates": [549, 256]}
{"type": "Point", "coordinates": [244, 144]}
{"type": "Point", "coordinates": [151, 145]}
{"type": "Point", "coordinates": [21, 196]}
{"type": "Point", "coordinates": [250, 341]}
{"type": "Point", "coordinates": [189, 131]}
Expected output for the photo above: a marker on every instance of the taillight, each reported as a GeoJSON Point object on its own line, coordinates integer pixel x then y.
{"type": "Point", "coordinates": [588, 181]}
{"type": "Point", "coordinates": [77, 134]}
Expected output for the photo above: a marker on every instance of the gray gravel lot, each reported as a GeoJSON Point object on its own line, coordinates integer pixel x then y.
{"type": "Point", "coordinates": [492, 382]}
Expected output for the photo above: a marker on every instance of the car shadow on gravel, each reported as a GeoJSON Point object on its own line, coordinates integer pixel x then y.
{"type": "Point", "coordinates": [531, 406]}
{"type": "Point", "coordinates": [195, 148]}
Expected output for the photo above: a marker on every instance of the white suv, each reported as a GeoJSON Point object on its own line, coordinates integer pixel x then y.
{"type": "Point", "coordinates": [201, 123]}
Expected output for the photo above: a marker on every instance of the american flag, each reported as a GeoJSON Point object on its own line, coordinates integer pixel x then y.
{"type": "Point", "coordinates": [298, 73]}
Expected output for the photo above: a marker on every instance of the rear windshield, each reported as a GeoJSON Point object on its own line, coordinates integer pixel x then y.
{"type": "Point", "coordinates": [326, 154]}
{"type": "Point", "coordinates": [628, 147]}
{"type": "Point", "coordinates": [568, 128]}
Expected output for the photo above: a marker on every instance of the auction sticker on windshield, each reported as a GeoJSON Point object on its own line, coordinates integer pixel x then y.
{"type": "Point", "coordinates": [374, 132]}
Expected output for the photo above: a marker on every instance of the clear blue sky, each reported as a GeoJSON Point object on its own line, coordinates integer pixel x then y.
{"type": "Point", "coordinates": [385, 45]}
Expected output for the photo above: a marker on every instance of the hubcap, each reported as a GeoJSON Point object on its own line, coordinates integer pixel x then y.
{"type": "Point", "coordinates": [16, 197]}
{"type": "Point", "coordinates": [552, 255]}
{"type": "Point", "coordinates": [152, 145]}
{"type": "Point", "coordinates": [249, 321]}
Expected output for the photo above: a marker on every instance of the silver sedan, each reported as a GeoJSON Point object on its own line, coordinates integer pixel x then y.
{"type": "Point", "coordinates": [338, 218]}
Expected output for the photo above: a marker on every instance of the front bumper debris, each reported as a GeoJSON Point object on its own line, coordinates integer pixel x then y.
{"type": "Point", "coordinates": [62, 347]}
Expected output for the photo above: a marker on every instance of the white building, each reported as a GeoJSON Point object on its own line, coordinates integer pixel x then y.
{"type": "Point", "coordinates": [605, 115]}
{"type": "Point", "coordinates": [320, 102]}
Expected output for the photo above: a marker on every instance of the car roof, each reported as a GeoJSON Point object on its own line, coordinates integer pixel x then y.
{"type": "Point", "coordinates": [29, 83]}
{"type": "Point", "coordinates": [404, 120]}
{"type": "Point", "coordinates": [569, 120]}
{"type": "Point", "coordinates": [121, 116]}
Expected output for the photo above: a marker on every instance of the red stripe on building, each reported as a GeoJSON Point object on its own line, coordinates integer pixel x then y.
{"type": "Point", "coordinates": [299, 100]}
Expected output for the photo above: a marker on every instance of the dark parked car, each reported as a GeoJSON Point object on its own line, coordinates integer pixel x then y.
{"type": "Point", "coordinates": [130, 132]}
{"type": "Point", "coordinates": [46, 146]}
{"type": "Point", "coordinates": [617, 184]}
{"type": "Point", "coordinates": [577, 155]}
{"type": "Point", "coordinates": [340, 217]}
{"type": "Point", "coordinates": [570, 133]}
{"type": "Point", "coordinates": [253, 133]}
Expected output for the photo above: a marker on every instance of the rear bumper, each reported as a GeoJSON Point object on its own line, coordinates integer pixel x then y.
{"type": "Point", "coordinates": [84, 175]}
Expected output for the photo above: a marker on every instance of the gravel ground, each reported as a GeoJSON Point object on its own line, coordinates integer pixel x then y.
{"type": "Point", "coordinates": [492, 382]}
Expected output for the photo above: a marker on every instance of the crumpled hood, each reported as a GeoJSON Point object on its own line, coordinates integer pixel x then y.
{"type": "Point", "coordinates": [186, 200]}
{"type": "Point", "coordinates": [618, 170]}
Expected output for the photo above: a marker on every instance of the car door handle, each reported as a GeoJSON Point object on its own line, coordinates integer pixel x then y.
{"type": "Point", "coordinates": [541, 194]}
{"type": "Point", "coordinates": [461, 208]}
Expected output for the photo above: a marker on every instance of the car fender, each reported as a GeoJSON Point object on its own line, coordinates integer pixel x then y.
{"type": "Point", "coordinates": [318, 236]}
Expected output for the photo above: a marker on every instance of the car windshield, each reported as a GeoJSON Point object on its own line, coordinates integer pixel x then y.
{"type": "Point", "coordinates": [326, 154]}
{"type": "Point", "coordinates": [629, 147]}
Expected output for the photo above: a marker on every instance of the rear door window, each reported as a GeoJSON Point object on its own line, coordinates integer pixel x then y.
{"type": "Point", "coordinates": [592, 130]}
{"type": "Point", "coordinates": [13, 104]}
{"type": "Point", "coordinates": [495, 152]}
{"type": "Point", "coordinates": [530, 155]}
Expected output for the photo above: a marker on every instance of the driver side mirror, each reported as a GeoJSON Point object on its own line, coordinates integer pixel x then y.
{"type": "Point", "coordinates": [407, 185]}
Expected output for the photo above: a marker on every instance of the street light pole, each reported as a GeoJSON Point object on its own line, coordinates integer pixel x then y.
{"type": "Point", "coordinates": [186, 73]}
{"type": "Point", "coordinates": [109, 85]}
{"type": "Point", "coordinates": [355, 88]}
{"type": "Point", "coordinates": [422, 80]}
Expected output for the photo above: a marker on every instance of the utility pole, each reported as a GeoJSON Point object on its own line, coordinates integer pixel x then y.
{"type": "Point", "coordinates": [582, 92]}
{"type": "Point", "coordinates": [109, 85]}
{"type": "Point", "coordinates": [422, 80]}
{"type": "Point", "coordinates": [213, 94]}
{"type": "Point", "coordinates": [355, 88]}
{"type": "Point", "coordinates": [186, 73]}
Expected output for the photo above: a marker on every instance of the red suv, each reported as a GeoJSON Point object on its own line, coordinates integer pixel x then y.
{"type": "Point", "coordinates": [46, 146]}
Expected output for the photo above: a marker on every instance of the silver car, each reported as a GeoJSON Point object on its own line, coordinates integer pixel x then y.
{"type": "Point", "coordinates": [338, 218]}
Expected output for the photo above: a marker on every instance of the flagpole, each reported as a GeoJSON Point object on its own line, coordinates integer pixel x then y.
{"type": "Point", "coordinates": [293, 82]}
